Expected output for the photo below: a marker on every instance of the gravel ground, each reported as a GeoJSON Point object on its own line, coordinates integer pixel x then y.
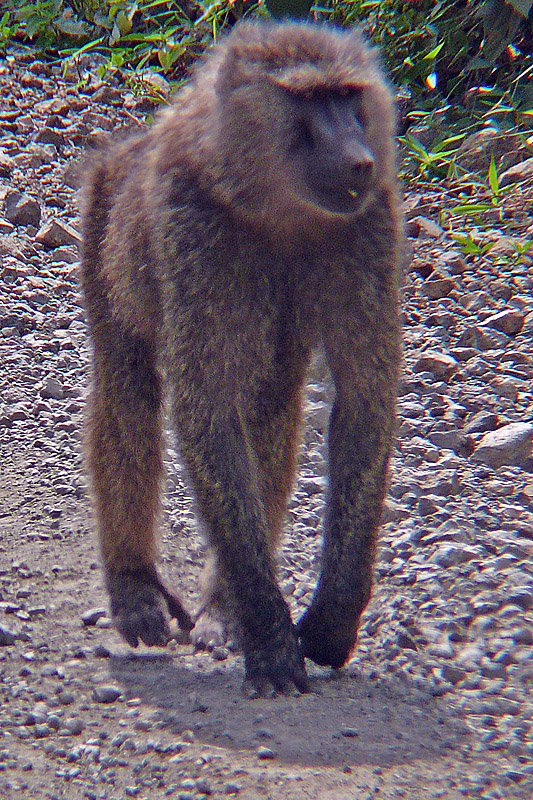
{"type": "Point", "coordinates": [437, 701]}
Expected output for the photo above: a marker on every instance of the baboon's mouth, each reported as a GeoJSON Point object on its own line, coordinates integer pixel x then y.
{"type": "Point", "coordinates": [341, 200]}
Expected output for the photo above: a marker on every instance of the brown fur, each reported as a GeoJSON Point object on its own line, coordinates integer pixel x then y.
{"type": "Point", "coordinates": [202, 259]}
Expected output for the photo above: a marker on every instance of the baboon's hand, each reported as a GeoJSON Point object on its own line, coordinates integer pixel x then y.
{"type": "Point", "coordinates": [276, 665]}
{"type": "Point", "coordinates": [137, 608]}
{"type": "Point", "coordinates": [328, 633]}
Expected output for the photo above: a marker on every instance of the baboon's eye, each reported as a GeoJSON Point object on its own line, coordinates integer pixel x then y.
{"type": "Point", "coordinates": [356, 102]}
{"type": "Point", "coordinates": [302, 137]}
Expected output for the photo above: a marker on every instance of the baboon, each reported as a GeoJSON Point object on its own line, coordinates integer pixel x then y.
{"type": "Point", "coordinates": [257, 220]}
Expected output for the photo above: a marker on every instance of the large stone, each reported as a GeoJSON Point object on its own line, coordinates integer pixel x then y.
{"type": "Point", "coordinates": [49, 135]}
{"type": "Point", "coordinates": [451, 555]}
{"type": "Point", "coordinates": [55, 233]}
{"type": "Point", "coordinates": [509, 321]}
{"type": "Point", "coordinates": [511, 445]}
{"type": "Point", "coordinates": [435, 288]}
{"type": "Point", "coordinates": [7, 165]}
{"type": "Point", "coordinates": [21, 209]}
{"type": "Point", "coordinates": [481, 422]}
{"type": "Point", "coordinates": [440, 364]}
{"type": "Point", "coordinates": [422, 227]}
{"type": "Point", "coordinates": [519, 172]}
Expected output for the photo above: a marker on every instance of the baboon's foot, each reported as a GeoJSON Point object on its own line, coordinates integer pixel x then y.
{"type": "Point", "coordinates": [328, 635]}
{"type": "Point", "coordinates": [139, 605]}
{"type": "Point", "coordinates": [275, 666]}
{"type": "Point", "coordinates": [210, 631]}
{"type": "Point", "coordinates": [216, 627]}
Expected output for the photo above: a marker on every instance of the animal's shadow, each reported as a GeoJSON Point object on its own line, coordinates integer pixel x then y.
{"type": "Point", "coordinates": [346, 720]}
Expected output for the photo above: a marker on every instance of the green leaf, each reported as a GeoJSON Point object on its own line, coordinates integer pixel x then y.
{"type": "Point", "coordinates": [72, 27]}
{"type": "Point", "coordinates": [439, 147]}
{"type": "Point", "coordinates": [494, 181]}
{"type": "Point", "coordinates": [123, 23]}
{"type": "Point", "coordinates": [117, 58]}
{"type": "Point", "coordinates": [433, 53]}
{"type": "Point", "coordinates": [416, 146]}
{"type": "Point", "coordinates": [466, 243]}
{"type": "Point", "coordinates": [471, 208]}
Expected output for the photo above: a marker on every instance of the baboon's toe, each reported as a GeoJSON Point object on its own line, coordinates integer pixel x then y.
{"type": "Point", "coordinates": [148, 625]}
{"type": "Point", "coordinates": [277, 668]}
{"type": "Point", "coordinates": [138, 610]}
{"type": "Point", "coordinates": [209, 632]}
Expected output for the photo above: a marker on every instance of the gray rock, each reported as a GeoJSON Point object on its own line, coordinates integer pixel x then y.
{"type": "Point", "coordinates": [511, 445]}
{"type": "Point", "coordinates": [6, 228]}
{"type": "Point", "coordinates": [197, 704]}
{"type": "Point", "coordinates": [475, 336]}
{"type": "Point", "coordinates": [106, 694]}
{"type": "Point", "coordinates": [7, 165]}
{"type": "Point", "coordinates": [57, 233]}
{"type": "Point", "coordinates": [74, 725]}
{"type": "Point", "coordinates": [523, 636]}
{"type": "Point", "coordinates": [439, 364]}
{"type": "Point", "coordinates": [476, 301]}
{"type": "Point", "coordinates": [451, 440]}
{"type": "Point", "coordinates": [49, 135]}
{"type": "Point", "coordinates": [92, 615]}
{"type": "Point", "coordinates": [519, 172]}
{"type": "Point", "coordinates": [21, 209]}
{"type": "Point", "coordinates": [470, 656]}
{"type": "Point", "coordinates": [232, 788]}
{"type": "Point", "coordinates": [7, 637]}
{"type": "Point", "coordinates": [265, 753]}
{"type": "Point", "coordinates": [522, 596]}
{"type": "Point", "coordinates": [435, 288]}
{"type": "Point", "coordinates": [349, 733]}
{"type": "Point", "coordinates": [52, 389]}
{"type": "Point", "coordinates": [451, 555]}
{"type": "Point", "coordinates": [427, 506]}
{"type": "Point", "coordinates": [423, 227]}
{"type": "Point", "coordinates": [452, 674]}
{"type": "Point", "coordinates": [405, 640]}
{"type": "Point", "coordinates": [481, 422]}
{"type": "Point", "coordinates": [509, 322]}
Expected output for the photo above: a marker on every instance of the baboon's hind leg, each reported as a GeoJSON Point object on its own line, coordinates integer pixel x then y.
{"type": "Point", "coordinates": [124, 454]}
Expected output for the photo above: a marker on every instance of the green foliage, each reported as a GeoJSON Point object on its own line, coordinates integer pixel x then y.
{"type": "Point", "coordinates": [165, 34]}
{"type": "Point", "coordinates": [443, 45]}
{"type": "Point", "coordinates": [289, 8]}
{"type": "Point", "coordinates": [460, 66]}
{"type": "Point", "coordinates": [431, 48]}
{"type": "Point", "coordinates": [435, 160]}
{"type": "Point", "coordinates": [470, 246]}
{"type": "Point", "coordinates": [6, 29]}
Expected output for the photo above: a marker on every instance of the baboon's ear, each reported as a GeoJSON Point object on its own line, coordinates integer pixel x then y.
{"type": "Point", "coordinates": [242, 60]}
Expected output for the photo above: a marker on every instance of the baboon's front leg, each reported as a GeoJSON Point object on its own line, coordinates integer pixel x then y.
{"type": "Point", "coordinates": [222, 463]}
{"type": "Point", "coordinates": [359, 439]}
{"type": "Point", "coordinates": [273, 435]}
{"type": "Point", "coordinates": [124, 455]}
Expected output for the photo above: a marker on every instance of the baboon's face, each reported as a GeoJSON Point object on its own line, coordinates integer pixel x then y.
{"type": "Point", "coordinates": [328, 155]}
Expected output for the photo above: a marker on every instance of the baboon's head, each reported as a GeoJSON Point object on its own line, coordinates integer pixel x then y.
{"type": "Point", "coordinates": [304, 123]}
